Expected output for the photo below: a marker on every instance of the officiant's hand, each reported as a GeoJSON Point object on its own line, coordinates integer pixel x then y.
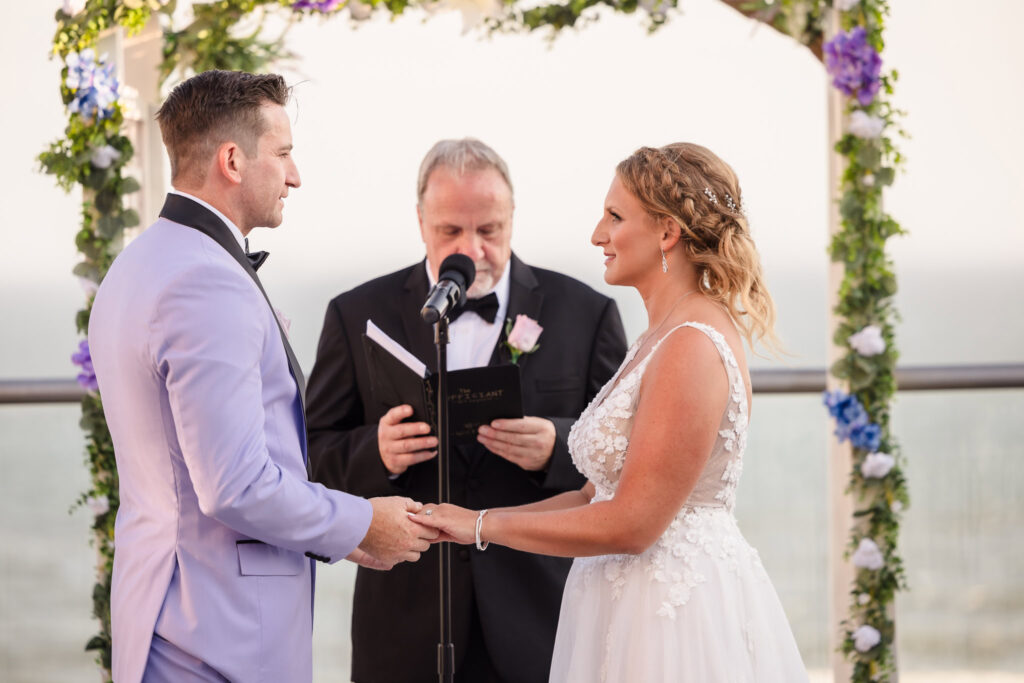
{"type": "Point", "coordinates": [403, 444]}
{"type": "Point", "coordinates": [527, 442]}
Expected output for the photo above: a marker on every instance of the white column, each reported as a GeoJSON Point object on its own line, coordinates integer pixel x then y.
{"type": "Point", "coordinates": [840, 456]}
{"type": "Point", "coordinates": [138, 60]}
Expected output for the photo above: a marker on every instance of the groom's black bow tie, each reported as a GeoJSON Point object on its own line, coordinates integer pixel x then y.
{"type": "Point", "coordinates": [486, 307]}
{"type": "Point", "coordinates": [256, 258]}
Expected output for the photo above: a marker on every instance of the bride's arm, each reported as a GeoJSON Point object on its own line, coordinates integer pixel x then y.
{"type": "Point", "coordinates": [683, 397]}
{"type": "Point", "coordinates": [562, 501]}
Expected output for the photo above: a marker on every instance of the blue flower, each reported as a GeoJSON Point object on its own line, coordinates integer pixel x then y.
{"type": "Point", "coordinates": [92, 84]}
{"type": "Point", "coordinates": [82, 358]}
{"type": "Point", "coordinates": [866, 437]}
{"type": "Point", "coordinates": [852, 421]}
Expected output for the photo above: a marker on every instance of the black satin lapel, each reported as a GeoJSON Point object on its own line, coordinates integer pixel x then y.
{"type": "Point", "coordinates": [190, 214]}
{"type": "Point", "coordinates": [419, 334]}
{"type": "Point", "coordinates": [525, 298]}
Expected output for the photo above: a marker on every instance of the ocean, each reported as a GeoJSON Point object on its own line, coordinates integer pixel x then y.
{"type": "Point", "coordinates": [961, 540]}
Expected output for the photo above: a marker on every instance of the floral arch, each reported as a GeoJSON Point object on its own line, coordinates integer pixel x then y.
{"type": "Point", "coordinates": [846, 35]}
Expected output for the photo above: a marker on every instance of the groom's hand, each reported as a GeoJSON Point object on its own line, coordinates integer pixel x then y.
{"type": "Point", "coordinates": [527, 442]}
{"type": "Point", "coordinates": [402, 444]}
{"type": "Point", "coordinates": [365, 559]}
{"type": "Point", "coordinates": [393, 537]}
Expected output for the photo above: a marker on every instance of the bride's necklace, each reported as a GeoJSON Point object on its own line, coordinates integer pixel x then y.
{"type": "Point", "coordinates": [668, 315]}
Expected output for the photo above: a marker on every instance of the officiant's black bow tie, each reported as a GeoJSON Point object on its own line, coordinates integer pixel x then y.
{"type": "Point", "coordinates": [256, 258]}
{"type": "Point", "coordinates": [486, 307]}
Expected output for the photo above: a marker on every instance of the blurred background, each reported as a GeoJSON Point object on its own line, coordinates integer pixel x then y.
{"type": "Point", "coordinates": [371, 100]}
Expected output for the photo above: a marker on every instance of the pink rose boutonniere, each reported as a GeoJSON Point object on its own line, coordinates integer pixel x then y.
{"type": "Point", "coordinates": [284, 321]}
{"type": "Point", "coordinates": [521, 338]}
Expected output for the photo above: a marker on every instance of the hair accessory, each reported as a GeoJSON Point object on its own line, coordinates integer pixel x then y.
{"type": "Point", "coordinates": [479, 524]}
{"type": "Point", "coordinates": [711, 195]}
{"type": "Point", "coordinates": [730, 203]}
{"type": "Point", "coordinates": [664, 262]}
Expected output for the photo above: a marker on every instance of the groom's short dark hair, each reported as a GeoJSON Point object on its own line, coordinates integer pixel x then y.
{"type": "Point", "coordinates": [212, 108]}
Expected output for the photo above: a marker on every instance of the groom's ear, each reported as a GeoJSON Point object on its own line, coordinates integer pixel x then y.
{"type": "Point", "coordinates": [229, 162]}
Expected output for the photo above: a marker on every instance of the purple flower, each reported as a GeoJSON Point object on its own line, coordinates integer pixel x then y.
{"type": "Point", "coordinates": [854, 65]}
{"type": "Point", "coordinates": [320, 5]}
{"type": "Point", "coordinates": [87, 377]}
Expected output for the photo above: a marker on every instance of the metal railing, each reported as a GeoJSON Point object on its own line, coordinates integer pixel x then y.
{"type": "Point", "coordinates": [796, 381]}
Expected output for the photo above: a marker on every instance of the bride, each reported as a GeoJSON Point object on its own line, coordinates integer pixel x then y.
{"type": "Point", "coordinates": [664, 587]}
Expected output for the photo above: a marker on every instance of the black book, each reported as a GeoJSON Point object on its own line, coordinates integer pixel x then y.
{"type": "Point", "coordinates": [476, 396]}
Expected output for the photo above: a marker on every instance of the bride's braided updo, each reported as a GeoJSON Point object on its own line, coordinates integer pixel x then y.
{"type": "Point", "coordinates": [700, 193]}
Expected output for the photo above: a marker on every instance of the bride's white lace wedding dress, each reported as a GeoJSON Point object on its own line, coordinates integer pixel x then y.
{"type": "Point", "coordinates": [697, 606]}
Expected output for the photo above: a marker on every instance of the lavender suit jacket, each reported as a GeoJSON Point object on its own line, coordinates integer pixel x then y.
{"type": "Point", "coordinates": [216, 513]}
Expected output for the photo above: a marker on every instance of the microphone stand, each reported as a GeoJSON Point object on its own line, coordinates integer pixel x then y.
{"type": "Point", "coordinates": [446, 648]}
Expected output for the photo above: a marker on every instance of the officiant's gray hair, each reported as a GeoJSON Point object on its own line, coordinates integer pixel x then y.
{"type": "Point", "coordinates": [467, 154]}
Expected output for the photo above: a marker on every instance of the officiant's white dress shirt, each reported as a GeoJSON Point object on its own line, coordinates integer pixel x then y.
{"type": "Point", "coordinates": [471, 338]}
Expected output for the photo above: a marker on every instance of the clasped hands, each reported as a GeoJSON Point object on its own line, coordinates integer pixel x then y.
{"type": "Point", "coordinates": [402, 529]}
{"type": "Point", "coordinates": [453, 523]}
{"type": "Point", "coordinates": [394, 536]}
{"type": "Point", "coordinates": [527, 442]}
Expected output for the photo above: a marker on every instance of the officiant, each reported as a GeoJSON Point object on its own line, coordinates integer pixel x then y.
{"type": "Point", "coordinates": [505, 603]}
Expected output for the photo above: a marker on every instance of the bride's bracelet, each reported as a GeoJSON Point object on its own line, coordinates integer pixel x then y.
{"type": "Point", "coordinates": [479, 525]}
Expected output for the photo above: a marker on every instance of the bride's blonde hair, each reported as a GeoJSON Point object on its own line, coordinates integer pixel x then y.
{"type": "Point", "coordinates": [701, 194]}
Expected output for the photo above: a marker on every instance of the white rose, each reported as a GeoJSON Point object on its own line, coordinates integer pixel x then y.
{"type": "Point", "coordinates": [868, 342]}
{"type": "Point", "coordinates": [863, 599]}
{"type": "Point", "coordinates": [103, 157]}
{"type": "Point", "coordinates": [868, 555]}
{"type": "Point", "coordinates": [866, 637]}
{"type": "Point", "coordinates": [285, 321]}
{"type": "Point", "coordinates": [474, 12]}
{"type": "Point", "coordinates": [868, 180]}
{"type": "Point", "coordinates": [88, 286]}
{"type": "Point", "coordinates": [877, 465]}
{"type": "Point", "coordinates": [845, 5]}
{"type": "Point", "coordinates": [655, 7]}
{"type": "Point", "coordinates": [359, 11]}
{"type": "Point", "coordinates": [896, 507]}
{"type": "Point", "coordinates": [99, 505]}
{"type": "Point", "coordinates": [864, 125]}
{"type": "Point", "coordinates": [73, 7]}
{"type": "Point", "coordinates": [524, 333]}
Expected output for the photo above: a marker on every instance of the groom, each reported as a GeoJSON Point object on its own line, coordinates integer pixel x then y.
{"type": "Point", "coordinates": [505, 603]}
{"type": "Point", "coordinates": [204, 400]}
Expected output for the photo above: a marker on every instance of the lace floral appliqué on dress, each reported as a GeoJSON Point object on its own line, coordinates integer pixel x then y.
{"type": "Point", "coordinates": [695, 606]}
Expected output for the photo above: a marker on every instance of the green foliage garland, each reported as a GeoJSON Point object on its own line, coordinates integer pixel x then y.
{"type": "Point", "coordinates": [866, 298]}
{"type": "Point", "coordinates": [104, 218]}
{"type": "Point", "coordinates": [212, 41]}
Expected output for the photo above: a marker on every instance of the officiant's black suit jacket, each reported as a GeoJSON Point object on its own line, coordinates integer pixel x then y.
{"type": "Point", "coordinates": [517, 595]}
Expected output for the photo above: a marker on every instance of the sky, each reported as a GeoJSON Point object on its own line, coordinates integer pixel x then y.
{"type": "Point", "coordinates": [371, 100]}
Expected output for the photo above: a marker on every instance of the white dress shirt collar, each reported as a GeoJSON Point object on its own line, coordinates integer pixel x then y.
{"type": "Point", "coordinates": [227, 221]}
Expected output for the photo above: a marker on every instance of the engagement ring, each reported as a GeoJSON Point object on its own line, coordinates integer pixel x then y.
{"type": "Point", "coordinates": [428, 513]}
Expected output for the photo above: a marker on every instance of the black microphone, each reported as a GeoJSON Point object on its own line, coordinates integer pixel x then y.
{"type": "Point", "coordinates": [455, 276]}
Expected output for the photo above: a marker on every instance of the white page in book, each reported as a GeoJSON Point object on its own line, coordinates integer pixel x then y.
{"type": "Point", "coordinates": [395, 349]}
